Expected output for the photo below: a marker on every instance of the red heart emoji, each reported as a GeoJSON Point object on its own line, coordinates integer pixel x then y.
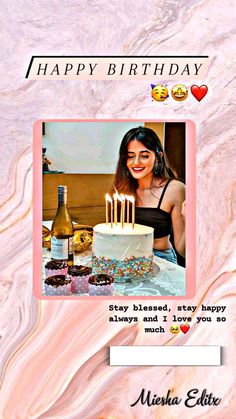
{"type": "Point", "coordinates": [199, 92]}
{"type": "Point", "coordinates": [184, 328]}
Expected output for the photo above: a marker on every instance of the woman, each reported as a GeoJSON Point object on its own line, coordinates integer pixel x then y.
{"type": "Point", "coordinates": [143, 171]}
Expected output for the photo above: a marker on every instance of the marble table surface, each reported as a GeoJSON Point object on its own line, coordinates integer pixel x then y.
{"type": "Point", "coordinates": [54, 354]}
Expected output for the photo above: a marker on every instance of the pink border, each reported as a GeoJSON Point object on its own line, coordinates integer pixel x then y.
{"type": "Point", "coordinates": [190, 211]}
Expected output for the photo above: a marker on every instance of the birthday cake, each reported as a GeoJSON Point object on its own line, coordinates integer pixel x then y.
{"type": "Point", "coordinates": [123, 251]}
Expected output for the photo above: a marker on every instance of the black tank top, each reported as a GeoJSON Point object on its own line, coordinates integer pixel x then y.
{"type": "Point", "coordinates": [157, 218]}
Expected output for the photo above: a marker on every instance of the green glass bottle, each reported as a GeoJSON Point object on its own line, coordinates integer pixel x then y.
{"type": "Point", "coordinates": [62, 233]}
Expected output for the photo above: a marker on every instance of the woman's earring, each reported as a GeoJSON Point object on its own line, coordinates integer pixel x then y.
{"type": "Point", "coordinates": [155, 168]}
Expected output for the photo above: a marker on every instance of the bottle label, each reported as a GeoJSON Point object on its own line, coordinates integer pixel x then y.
{"type": "Point", "coordinates": [60, 248]}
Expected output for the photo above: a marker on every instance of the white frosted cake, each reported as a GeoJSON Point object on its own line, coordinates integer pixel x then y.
{"type": "Point", "coordinates": [123, 251]}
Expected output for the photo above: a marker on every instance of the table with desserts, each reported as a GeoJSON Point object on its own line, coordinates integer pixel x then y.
{"type": "Point", "coordinates": [167, 280]}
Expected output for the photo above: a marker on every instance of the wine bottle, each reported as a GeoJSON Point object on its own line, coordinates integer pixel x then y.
{"type": "Point", "coordinates": [62, 230]}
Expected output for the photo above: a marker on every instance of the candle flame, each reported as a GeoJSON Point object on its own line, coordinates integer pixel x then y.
{"type": "Point", "coordinates": [130, 198]}
{"type": "Point", "coordinates": [116, 191]}
{"type": "Point", "coordinates": [108, 198]}
{"type": "Point", "coordinates": [116, 196]}
{"type": "Point", "coordinates": [122, 197]}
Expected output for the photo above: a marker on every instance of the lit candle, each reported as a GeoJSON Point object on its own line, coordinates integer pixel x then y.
{"type": "Point", "coordinates": [108, 199]}
{"type": "Point", "coordinates": [127, 214]}
{"type": "Point", "coordinates": [122, 197]}
{"type": "Point", "coordinates": [133, 210]}
{"type": "Point", "coordinates": [111, 213]}
{"type": "Point", "coordinates": [115, 197]}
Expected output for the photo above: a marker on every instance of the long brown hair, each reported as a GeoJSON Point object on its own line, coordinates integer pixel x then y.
{"type": "Point", "coordinates": [124, 181]}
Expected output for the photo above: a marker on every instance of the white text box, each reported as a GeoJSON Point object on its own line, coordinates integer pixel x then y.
{"type": "Point", "coordinates": [165, 355]}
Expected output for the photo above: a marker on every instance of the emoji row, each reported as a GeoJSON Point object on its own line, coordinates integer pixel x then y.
{"type": "Point", "coordinates": [179, 92]}
{"type": "Point", "coordinates": [174, 329]}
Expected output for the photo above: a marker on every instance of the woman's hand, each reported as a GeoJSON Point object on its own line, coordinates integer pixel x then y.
{"type": "Point", "coordinates": [177, 195]}
{"type": "Point", "coordinates": [183, 210]}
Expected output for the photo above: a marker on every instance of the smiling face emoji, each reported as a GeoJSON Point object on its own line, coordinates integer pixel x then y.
{"type": "Point", "coordinates": [159, 92]}
{"type": "Point", "coordinates": [174, 328]}
{"type": "Point", "coordinates": [179, 92]}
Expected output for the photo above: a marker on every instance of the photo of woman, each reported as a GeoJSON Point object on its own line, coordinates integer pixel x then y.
{"type": "Point", "coordinates": [143, 171]}
{"type": "Point", "coordinates": [122, 186]}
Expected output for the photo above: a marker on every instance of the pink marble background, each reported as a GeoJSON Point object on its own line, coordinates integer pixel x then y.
{"type": "Point", "coordinates": [54, 355]}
